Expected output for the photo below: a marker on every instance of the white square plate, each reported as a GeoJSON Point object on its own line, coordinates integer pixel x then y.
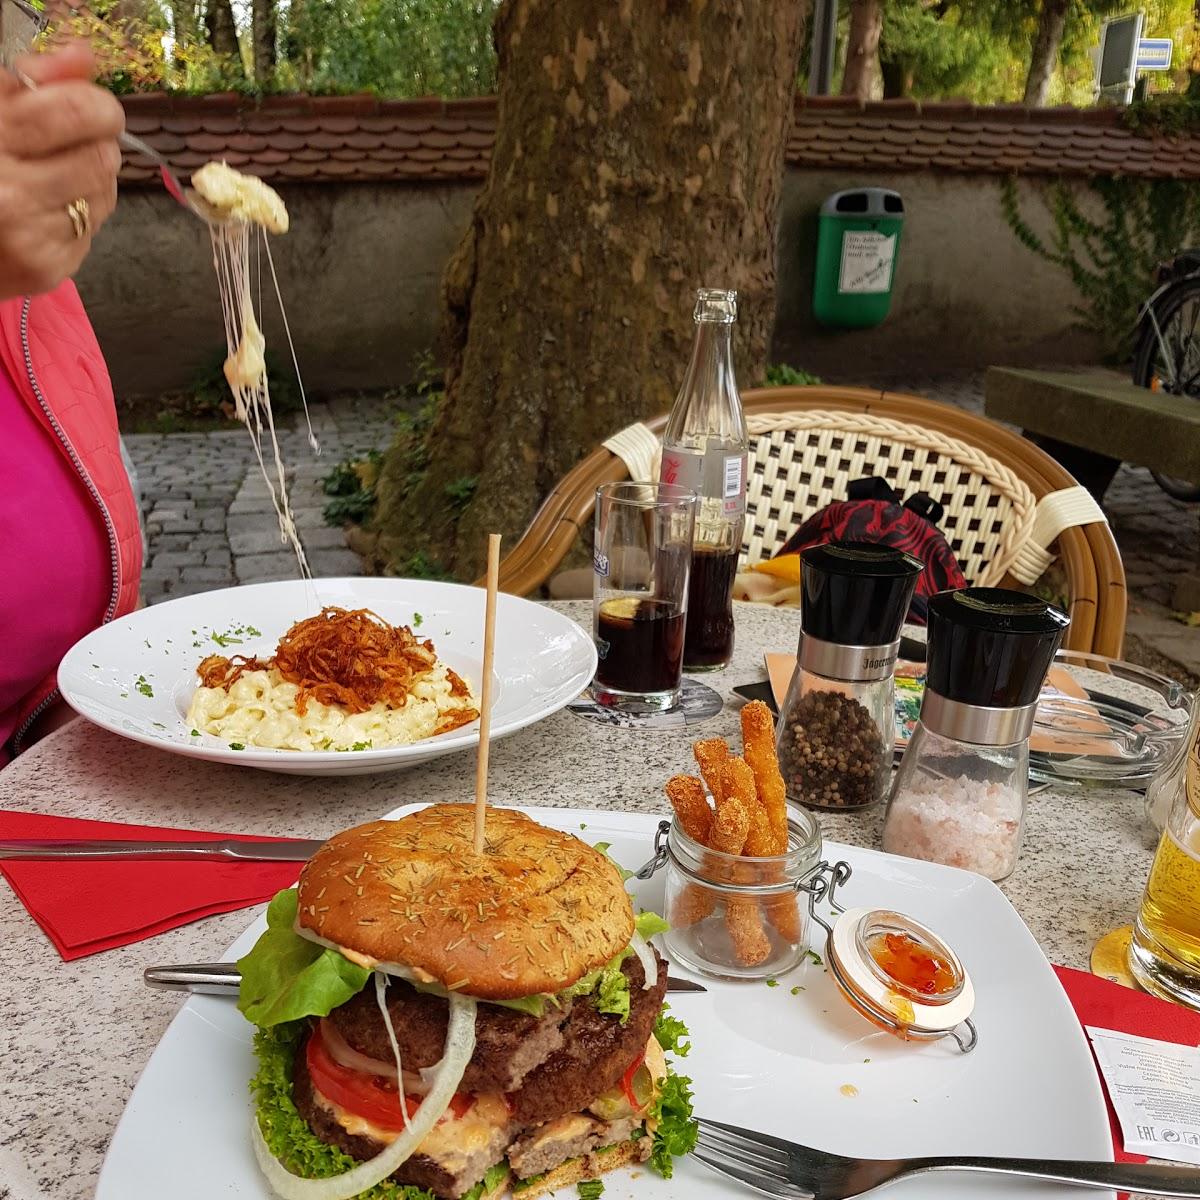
{"type": "Point", "coordinates": [762, 1057]}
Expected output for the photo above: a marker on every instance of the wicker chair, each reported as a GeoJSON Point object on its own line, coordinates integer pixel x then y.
{"type": "Point", "coordinates": [806, 444]}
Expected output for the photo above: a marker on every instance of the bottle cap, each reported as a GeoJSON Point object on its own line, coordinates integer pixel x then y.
{"type": "Point", "coordinates": [715, 304]}
{"type": "Point", "coordinates": [991, 647]}
{"type": "Point", "coordinates": [856, 593]}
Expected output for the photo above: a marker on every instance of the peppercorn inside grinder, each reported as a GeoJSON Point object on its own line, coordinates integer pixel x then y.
{"type": "Point", "coordinates": [837, 726]}
{"type": "Point", "coordinates": [959, 795]}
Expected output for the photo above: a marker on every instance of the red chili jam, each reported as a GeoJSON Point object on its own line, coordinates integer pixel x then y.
{"type": "Point", "coordinates": [911, 964]}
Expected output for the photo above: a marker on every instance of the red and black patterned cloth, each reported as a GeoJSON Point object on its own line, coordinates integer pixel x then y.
{"type": "Point", "coordinates": [873, 513]}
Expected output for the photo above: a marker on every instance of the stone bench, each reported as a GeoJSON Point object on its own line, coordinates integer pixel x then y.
{"type": "Point", "coordinates": [1092, 421]}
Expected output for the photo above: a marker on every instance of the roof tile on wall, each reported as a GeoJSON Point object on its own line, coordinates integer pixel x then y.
{"type": "Point", "coordinates": [337, 139]}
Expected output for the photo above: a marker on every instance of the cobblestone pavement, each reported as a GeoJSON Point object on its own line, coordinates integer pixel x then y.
{"type": "Point", "coordinates": [210, 523]}
{"type": "Point", "coordinates": [209, 518]}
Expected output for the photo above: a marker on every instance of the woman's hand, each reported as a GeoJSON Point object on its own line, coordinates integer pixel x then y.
{"type": "Point", "coordinates": [57, 148]}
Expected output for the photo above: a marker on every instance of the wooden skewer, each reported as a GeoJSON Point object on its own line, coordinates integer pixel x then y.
{"type": "Point", "coordinates": [485, 688]}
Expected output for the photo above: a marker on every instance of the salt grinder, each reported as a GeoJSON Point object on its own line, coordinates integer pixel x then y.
{"type": "Point", "coordinates": [960, 793]}
{"type": "Point", "coordinates": [837, 726]}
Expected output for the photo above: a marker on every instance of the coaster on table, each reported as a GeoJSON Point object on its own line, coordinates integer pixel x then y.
{"type": "Point", "coordinates": [697, 703]}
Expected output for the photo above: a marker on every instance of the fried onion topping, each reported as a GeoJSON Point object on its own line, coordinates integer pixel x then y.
{"type": "Point", "coordinates": [347, 657]}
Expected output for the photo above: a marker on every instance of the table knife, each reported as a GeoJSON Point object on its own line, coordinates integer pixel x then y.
{"type": "Point", "coordinates": [222, 979]}
{"type": "Point", "coordinates": [226, 848]}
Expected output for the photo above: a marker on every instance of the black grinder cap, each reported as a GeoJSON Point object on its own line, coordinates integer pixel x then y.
{"type": "Point", "coordinates": [991, 647]}
{"type": "Point", "coordinates": [856, 593]}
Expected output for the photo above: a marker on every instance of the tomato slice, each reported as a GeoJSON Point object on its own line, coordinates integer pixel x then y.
{"type": "Point", "coordinates": [627, 1082]}
{"type": "Point", "coordinates": [371, 1097]}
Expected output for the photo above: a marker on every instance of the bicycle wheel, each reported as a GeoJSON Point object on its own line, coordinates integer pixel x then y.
{"type": "Point", "coordinates": [1171, 363]}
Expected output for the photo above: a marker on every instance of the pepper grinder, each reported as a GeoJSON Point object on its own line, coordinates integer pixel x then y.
{"type": "Point", "coordinates": [960, 793]}
{"type": "Point", "coordinates": [837, 726]}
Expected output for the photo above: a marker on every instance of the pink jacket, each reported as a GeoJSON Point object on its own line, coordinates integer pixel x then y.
{"type": "Point", "coordinates": [55, 363]}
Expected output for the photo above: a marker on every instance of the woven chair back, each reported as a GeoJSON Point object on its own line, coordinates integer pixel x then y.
{"type": "Point", "coordinates": [802, 461]}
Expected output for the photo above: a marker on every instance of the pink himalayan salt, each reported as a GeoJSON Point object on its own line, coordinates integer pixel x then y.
{"type": "Point", "coordinates": [959, 822]}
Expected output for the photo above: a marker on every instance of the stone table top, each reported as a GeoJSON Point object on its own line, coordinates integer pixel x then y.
{"type": "Point", "coordinates": [75, 1036]}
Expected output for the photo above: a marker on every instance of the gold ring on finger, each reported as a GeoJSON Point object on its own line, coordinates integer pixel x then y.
{"type": "Point", "coordinates": [81, 217]}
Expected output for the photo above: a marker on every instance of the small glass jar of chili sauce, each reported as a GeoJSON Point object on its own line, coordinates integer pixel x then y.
{"type": "Point", "coordinates": [902, 977]}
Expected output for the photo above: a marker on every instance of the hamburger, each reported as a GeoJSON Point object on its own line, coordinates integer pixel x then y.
{"type": "Point", "coordinates": [436, 1022]}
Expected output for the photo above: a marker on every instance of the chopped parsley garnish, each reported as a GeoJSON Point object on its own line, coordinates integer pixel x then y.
{"type": "Point", "coordinates": [342, 749]}
{"type": "Point", "coordinates": [418, 620]}
{"type": "Point", "coordinates": [237, 745]}
{"type": "Point", "coordinates": [590, 1189]}
{"type": "Point", "coordinates": [235, 636]}
{"type": "Point", "coordinates": [143, 686]}
{"type": "Point", "coordinates": [195, 733]}
{"type": "Point", "coordinates": [582, 824]}
{"type": "Point", "coordinates": [813, 957]}
{"type": "Point", "coordinates": [797, 990]}
{"type": "Point", "coordinates": [158, 725]}
{"type": "Point", "coordinates": [772, 983]}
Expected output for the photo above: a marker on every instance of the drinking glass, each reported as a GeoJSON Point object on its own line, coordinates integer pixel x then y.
{"type": "Point", "coordinates": [642, 557]}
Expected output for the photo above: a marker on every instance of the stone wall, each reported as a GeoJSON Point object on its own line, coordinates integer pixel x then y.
{"type": "Point", "coordinates": [360, 273]}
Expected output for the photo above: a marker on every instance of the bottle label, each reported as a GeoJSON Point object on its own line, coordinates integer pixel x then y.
{"type": "Point", "coordinates": [716, 474]}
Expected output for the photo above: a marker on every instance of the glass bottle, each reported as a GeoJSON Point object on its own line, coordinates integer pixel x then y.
{"type": "Point", "coordinates": [1164, 955]}
{"type": "Point", "coordinates": [705, 450]}
{"type": "Point", "coordinates": [838, 725]}
{"type": "Point", "coordinates": [959, 795]}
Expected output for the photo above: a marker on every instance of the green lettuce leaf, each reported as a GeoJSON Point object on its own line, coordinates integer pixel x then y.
{"type": "Point", "coordinates": [286, 977]}
{"type": "Point", "coordinates": [612, 993]}
{"type": "Point", "coordinates": [650, 923]}
{"type": "Point", "coordinates": [675, 1134]}
{"type": "Point", "coordinates": [670, 1032]}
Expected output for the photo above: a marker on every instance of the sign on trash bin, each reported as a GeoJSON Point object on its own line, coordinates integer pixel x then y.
{"type": "Point", "coordinates": [1154, 54]}
{"type": "Point", "coordinates": [867, 259]}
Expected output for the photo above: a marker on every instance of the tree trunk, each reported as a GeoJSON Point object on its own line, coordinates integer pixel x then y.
{"type": "Point", "coordinates": [860, 78]}
{"type": "Point", "coordinates": [262, 37]}
{"type": "Point", "coordinates": [221, 29]}
{"type": "Point", "coordinates": [638, 155]}
{"type": "Point", "coordinates": [183, 24]}
{"type": "Point", "coordinates": [1051, 23]}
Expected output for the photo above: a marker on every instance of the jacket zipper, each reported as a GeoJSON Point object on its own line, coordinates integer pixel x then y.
{"type": "Point", "coordinates": [109, 527]}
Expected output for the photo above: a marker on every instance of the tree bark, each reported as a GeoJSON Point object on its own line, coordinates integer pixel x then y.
{"type": "Point", "coordinates": [1051, 23]}
{"type": "Point", "coordinates": [221, 29]}
{"type": "Point", "coordinates": [262, 37]}
{"type": "Point", "coordinates": [638, 156]}
{"type": "Point", "coordinates": [861, 76]}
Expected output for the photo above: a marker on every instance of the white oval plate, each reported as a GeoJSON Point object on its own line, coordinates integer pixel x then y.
{"type": "Point", "coordinates": [136, 675]}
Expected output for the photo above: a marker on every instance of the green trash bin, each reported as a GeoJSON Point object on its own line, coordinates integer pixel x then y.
{"type": "Point", "coordinates": [858, 239]}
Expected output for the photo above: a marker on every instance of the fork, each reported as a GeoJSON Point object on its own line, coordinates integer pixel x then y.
{"type": "Point", "coordinates": [778, 1168]}
{"type": "Point", "coordinates": [188, 197]}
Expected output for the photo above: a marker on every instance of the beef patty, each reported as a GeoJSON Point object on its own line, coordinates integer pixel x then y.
{"type": "Point", "coordinates": [512, 1049]}
{"type": "Point", "coordinates": [508, 1044]}
{"type": "Point", "coordinates": [595, 1051]}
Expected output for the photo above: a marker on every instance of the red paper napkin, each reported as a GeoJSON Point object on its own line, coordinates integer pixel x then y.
{"type": "Point", "coordinates": [1107, 1005]}
{"type": "Point", "coordinates": [89, 906]}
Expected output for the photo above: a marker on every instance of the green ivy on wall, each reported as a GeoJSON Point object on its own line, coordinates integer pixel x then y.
{"type": "Point", "coordinates": [1110, 246]}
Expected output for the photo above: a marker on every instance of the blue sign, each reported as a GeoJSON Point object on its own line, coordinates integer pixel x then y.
{"type": "Point", "coordinates": [1154, 54]}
